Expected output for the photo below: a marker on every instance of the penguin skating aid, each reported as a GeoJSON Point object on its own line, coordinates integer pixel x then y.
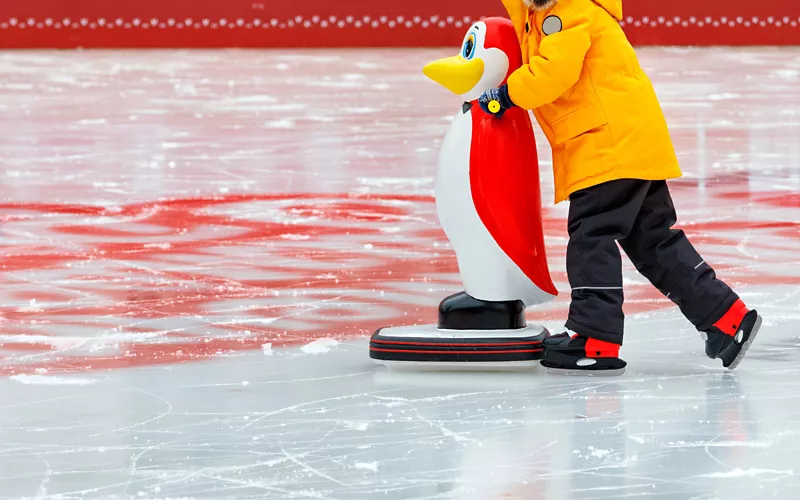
{"type": "Point", "coordinates": [489, 204]}
{"type": "Point", "coordinates": [470, 333]}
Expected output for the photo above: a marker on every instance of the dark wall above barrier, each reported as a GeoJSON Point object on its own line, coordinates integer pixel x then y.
{"type": "Point", "coordinates": [325, 23]}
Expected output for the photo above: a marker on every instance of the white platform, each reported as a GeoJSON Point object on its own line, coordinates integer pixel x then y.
{"type": "Point", "coordinates": [433, 333]}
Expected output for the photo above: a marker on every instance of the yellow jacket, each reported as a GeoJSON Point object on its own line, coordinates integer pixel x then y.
{"type": "Point", "coordinates": [584, 84]}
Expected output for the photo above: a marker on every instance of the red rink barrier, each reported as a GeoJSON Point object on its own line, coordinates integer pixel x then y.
{"type": "Point", "coordinates": [318, 23]}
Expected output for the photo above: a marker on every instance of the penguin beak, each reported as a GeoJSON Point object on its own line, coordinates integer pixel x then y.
{"type": "Point", "coordinates": [456, 74]}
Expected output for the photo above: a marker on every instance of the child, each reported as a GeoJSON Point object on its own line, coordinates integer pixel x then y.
{"type": "Point", "coordinates": [612, 155]}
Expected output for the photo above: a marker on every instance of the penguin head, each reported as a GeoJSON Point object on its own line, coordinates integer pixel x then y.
{"type": "Point", "coordinates": [489, 54]}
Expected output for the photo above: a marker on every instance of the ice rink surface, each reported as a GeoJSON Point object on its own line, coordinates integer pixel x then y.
{"type": "Point", "coordinates": [195, 246]}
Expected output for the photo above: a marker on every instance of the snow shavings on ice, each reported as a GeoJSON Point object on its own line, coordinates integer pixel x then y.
{"type": "Point", "coordinates": [357, 426]}
{"type": "Point", "coordinates": [55, 342]}
{"type": "Point", "coordinates": [394, 182]}
{"type": "Point", "coordinates": [283, 124]}
{"type": "Point", "coordinates": [597, 453]}
{"type": "Point", "coordinates": [320, 346]}
{"type": "Point", "coordinates": [162, 246]}
{"type": "Point", "coordinates": [373, 466]}
{"type": "Point", "coordinates": [31, 307]}
{"type": "Point", "coordinates": [267, 349]}
{"type": "Point", "coordinates": [294, 237]}
{"type": "Point", "coordinates": [50, 380]}
{"type": "Point", "coordinates": [737, 472]}
{"type": "Point", "coordinates": [720, 444]}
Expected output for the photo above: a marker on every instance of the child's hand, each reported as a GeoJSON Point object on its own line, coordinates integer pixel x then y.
{"type": "Point", "coordinates": [496, 101]}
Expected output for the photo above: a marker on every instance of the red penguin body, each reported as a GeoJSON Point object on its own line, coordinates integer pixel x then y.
{"type": "Point", "coordinates": [504, 173]}
{"type": "Point", "coordinates": [504, 179]}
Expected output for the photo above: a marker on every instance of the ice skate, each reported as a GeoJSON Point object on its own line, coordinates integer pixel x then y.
{"type": "Point", "coordinates": [577, 355]}
{"type": "Point", "coordinates": [731, 337]}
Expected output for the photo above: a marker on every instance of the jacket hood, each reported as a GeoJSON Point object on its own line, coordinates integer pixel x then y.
{"type": "Point", "coordinates": [613, 7]}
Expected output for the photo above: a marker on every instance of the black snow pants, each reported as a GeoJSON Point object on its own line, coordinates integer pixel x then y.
{"type": "Point", "coordinates": [639, 215]}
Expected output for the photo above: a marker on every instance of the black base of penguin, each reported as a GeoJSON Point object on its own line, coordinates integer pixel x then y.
{"type": "Point", "coordinates": [464, 312]}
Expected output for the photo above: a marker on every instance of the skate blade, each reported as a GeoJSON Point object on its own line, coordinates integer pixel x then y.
{"type": "Point", "coordinates": [746, 346]}
{"type": "Point", "coordinates": [583, 373]}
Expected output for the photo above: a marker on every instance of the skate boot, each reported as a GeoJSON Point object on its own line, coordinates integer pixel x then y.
{"type": "Point", "coordinates": [464, 312]}
{"type": "Point", "coordinates": [731, 337]}
{"type": "Point", "coordinates": [577, 355]}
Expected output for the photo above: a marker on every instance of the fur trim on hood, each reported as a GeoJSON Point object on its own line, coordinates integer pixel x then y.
{"type": "Point", "coordinates": [539, 4]}
{"type": "Point", "coordinates": [613, 7]}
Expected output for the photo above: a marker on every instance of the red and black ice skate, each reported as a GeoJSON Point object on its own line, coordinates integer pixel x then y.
{"type": "Point", "coordinates": [577, 355]}
{"type": "Point", "coordinates": [731, 337]}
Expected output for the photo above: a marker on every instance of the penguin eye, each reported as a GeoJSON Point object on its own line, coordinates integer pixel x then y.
{"type": "Point", "coordinates": [469, 47]}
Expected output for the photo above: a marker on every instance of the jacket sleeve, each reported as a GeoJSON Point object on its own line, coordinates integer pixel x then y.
{"type": "Point", "coordinates": [555, 69]}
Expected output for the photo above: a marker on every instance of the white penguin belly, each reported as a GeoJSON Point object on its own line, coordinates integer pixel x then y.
{"type": "Point", "coordinates": [487, 272]}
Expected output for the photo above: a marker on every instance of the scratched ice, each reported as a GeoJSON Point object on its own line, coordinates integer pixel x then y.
{"type": "Point", "coordinates": [196, 244]}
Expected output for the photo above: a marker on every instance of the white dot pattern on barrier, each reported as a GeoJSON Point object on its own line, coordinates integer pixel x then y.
{"type": "Point", "coordinates": [367, 22]}
{"type": "Point", "coordinates": [678, 21]}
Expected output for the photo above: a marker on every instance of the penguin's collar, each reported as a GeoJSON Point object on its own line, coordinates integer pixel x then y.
{"type": "Point", "coordinates": [466, 107]}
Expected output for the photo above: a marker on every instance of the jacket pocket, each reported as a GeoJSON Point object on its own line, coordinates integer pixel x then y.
{"type": "Point", "coordinates": [578, 122]}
